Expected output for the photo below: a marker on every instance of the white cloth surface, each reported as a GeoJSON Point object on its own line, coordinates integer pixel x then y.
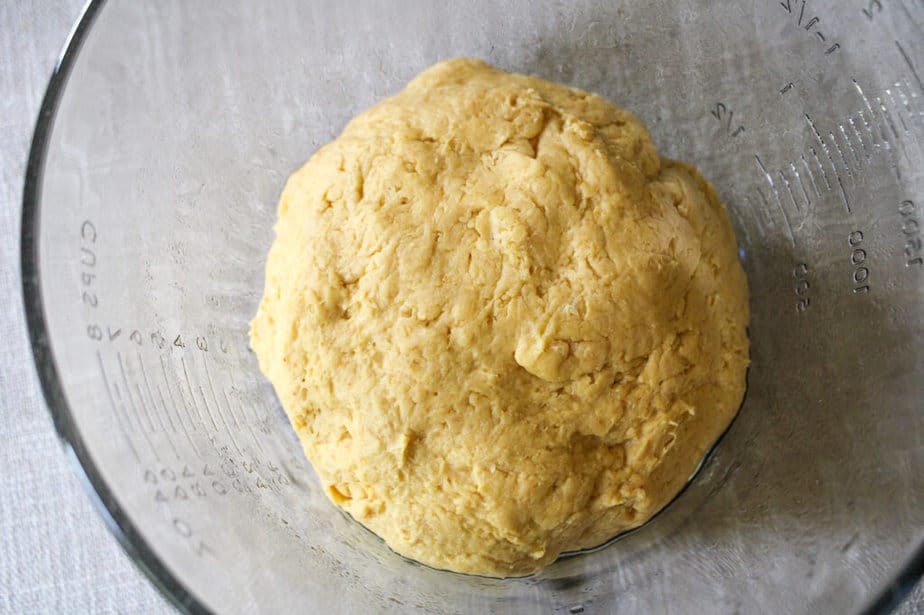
{"type": "Point", "coordinates": [56, 554]}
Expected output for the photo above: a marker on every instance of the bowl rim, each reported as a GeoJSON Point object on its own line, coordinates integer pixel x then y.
{"type": "Point", "coordinates": [885, 600]}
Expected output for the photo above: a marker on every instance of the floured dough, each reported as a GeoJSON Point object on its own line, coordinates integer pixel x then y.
{"type": "Point", "coordinates": [501, 325]}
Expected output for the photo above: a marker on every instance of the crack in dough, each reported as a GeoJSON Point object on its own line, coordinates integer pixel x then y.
{"type": "Point", "coordinates": [502, 326]}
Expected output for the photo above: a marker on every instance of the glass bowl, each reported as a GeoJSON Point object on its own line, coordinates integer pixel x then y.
{"type": "Point", "coordinates": [163, 143]}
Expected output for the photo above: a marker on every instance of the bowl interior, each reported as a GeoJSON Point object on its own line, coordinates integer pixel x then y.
{"type": "Point", "coordinates": [170, 131]}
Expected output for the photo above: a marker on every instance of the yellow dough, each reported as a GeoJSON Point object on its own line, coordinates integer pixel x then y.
{"type": "Point", "coordinates": [501, 325]}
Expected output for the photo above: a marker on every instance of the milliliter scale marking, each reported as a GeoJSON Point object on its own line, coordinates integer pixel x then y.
{"type": "Point", "coordinates": [839, 156]}
{"type": "Point", "coordinates": [244, 473]}
{"type": "Point", "coordinates": [142, 414]}
{"type": "Point", "coordinates": [139, 412]}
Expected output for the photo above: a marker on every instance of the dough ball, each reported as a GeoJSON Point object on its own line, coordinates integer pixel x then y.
{"type": "Point", "coordinates": [501, 325]}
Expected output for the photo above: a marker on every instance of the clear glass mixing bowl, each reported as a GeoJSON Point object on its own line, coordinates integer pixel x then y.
{"type": "Point", "coordinates": [166, 136]}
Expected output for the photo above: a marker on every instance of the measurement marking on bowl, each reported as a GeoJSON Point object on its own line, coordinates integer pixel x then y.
{"type": "Point", "coordinates": [872, 117]}
{"type": "Point", "coordinates": [888, 117]}
{"type": "Point", "coordinates": [913, 97]}
{"type": "Point", "coordinates": [237, 424]}
{"type": "Point", "coordinates": [208, 410]}
{"type": "Point", "coordinates": [224, 420]}
{"type": "Point", "coordinates": [805, 194]}
{"type": "Point", "coordinates": [868, 129]}
{"type": "Point", "coordinates": [176, 407]}
{"type": "Point", "coordinates": [853, 148]}
{"type": "Point", "coordinates": [856, 131]}
{"type": "Point", "coordinates": [211, 383]}
{"type": "Point", "coordinates": [144, 409]}
{"type": "Point", "coordinates": [153, 407]}
{"type": "Point", "coordinates": [189, 438]}
{"type": "Point", "coordinates": [911, 229]}
{"type": "Point", "coordinates": [260, 403]}
{"type": "Point", "coordinates": [792, 196]}
{"type": "Point", "coordinates": [115, 411]}
{"type": "Point", "coordinates": [234, 418]}
{"type": "Point", "coordinates": [824, 148]}
{"type": "Point", "coordinates": [765, 206]}
{"type": "Point", "coordinates": [779, 204]}
{"type": "Point", "coordinates": [151, 410]}
{"type": "Point", "coordinates": [840, 152]}
{"type": "Point", "coordinates": [801, 286]}
{"type": "Point", "coordinates": [860, 271]}
{"type": "Point", "coordinates": [128, 393]}
{"type": "Point", "coordinates": [259, 422]}
{"type": "Point", "coordinates": [898, 113]}
{"type": "Point", "coordinates": [249, 427]}
{"type": "Point", "coordinates": [211, 416]}
{"type": "Point", "coordinates": [906, 98]}
{"type": "Point", "coordinates": [739, 224]}
{"type": "Point", "coordinates": [250, 416]}
{"type": "Point", "coordinates": [725, 115]}
{"type": "Point", "coordinates": [824, 174]}
{"type": "Point", "coordinates": [163, 429]}
{"type": "Point", "coordinates": [173, 404]}
{"type": "Point", "coordinates": [811, 25]}
{"type": "Point", "coordinates": [137, 419]}
{"type": "Point", "coordinates": [811, 175]}
{"type": "Point", "coordinates": [163, 403]}
{"type": "Point", "coordinates": [909, 102]}
{"type": "Point", "coordinates": [192, 396]}
{"type": "Point", "coordinates": [911, 67]}
{"type": "Point", "coordinates": [147, 383]}
{"type": "Point", "coordinates": [256, 416]}
{"type": "Point", "coordinates": [841, 148]}
{"type": "Point", "coordinates": [755, 215]}
{"type": "Point", "coordinates": [128, 417]}
{"type": "Point", "coordinates": [256, 384]}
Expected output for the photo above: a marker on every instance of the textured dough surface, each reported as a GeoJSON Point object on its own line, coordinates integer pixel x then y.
{"type": "Point", "coordinates": [500, 324]}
